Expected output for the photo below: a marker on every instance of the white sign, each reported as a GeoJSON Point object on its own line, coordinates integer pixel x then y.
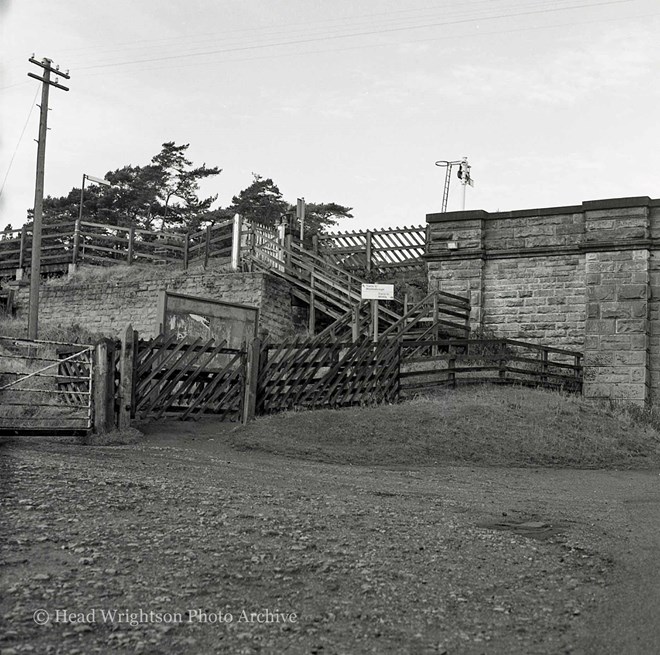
{"type": "Point", "coordinates": [377, 291]}
{"type": "Point", "coordinates": [98, 180]}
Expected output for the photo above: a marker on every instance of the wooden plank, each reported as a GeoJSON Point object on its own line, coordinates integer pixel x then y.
{"type": "Point", "coordinates": [309, 373]}
{"type": "Point", "coordinates": [104, 226]}
{"type": "Point", "coordinates": [126, 378]}
{"type": "Point", "coordinates": [226, 397]}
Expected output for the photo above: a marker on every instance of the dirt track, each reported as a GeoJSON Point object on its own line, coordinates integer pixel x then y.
{"type": "Point", "coordinates": [368, 559]}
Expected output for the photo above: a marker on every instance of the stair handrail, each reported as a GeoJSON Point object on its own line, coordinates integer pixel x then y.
{"type": "Point", "coordinates": [414, 316]}
{"type": "Point", "coordinates": [320, 268]}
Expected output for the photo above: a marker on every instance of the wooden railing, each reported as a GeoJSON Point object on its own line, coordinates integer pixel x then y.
{"type": "Point", "coordinates": [325, 286]}
{"type": "Point", "coordinates": [74, 242]}
{"type": "Point", "coordinates": [338, 293]}
{"type": "Point", "coordinates": [379, 251]}
{"type": "Point", "coordinates": [77, 242]}
{"type": "Point", "coordinates": [431, 363]}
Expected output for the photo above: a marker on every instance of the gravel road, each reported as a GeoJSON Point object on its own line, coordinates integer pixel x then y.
{"type": "Point", "coordinates": [208, 550]}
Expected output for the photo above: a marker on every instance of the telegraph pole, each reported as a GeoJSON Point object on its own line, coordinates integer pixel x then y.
{"type": "Point", "coordinates": [46, 83]}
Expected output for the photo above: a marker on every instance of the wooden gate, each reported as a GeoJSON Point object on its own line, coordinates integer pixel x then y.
{"type": "Point", "coordinates": [313, 375]}
{"type": "Point", "coordinates": [186, 379]}
{"type": "Point", "coordinates": [45, 387]}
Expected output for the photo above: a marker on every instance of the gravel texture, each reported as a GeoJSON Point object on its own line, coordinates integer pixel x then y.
{"type": "Point", "coordinates": [209, 550]}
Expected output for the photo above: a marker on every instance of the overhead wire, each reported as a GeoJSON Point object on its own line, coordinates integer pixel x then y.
{"type": "Point", "coordinates": [286, 28]}
{"type": "Point", "coordinates": [379, 45]}
{"type": "Point", "coordinates": [329, 37]}
{"type": "Point", "coordinates": [20, 138]}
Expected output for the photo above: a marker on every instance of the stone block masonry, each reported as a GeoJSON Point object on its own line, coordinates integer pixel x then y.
{"type": "Point", "coordinates": [583, 277]}
{"type": "Point", "coordinates": [108, 305]}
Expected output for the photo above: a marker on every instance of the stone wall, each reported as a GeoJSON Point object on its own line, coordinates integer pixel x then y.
{"type": "Point", "coordinates": [583, 277]}
{"type": "Point", "coordinates": [109, 304]}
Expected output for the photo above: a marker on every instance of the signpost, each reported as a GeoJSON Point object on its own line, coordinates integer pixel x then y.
{"type": "Point", "coordinates": [376, 292]}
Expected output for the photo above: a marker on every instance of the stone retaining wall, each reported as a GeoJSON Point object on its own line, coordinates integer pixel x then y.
{"type": "Point", "coordinates": [108, 305]}
{"type": "Point", "coordinates": [584, 277]}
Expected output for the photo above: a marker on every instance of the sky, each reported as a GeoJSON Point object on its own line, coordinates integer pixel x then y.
{"type": "Point", "coordinates": [554, 102]}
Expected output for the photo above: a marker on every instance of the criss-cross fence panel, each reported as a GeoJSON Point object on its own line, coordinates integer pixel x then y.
{"type": "Point", "coordinates": [314, 375]}
{"type": "Point", "coordinates": [263, 243]}
{"type": "Point", "coordinates": [186, 379]}
{"type": "Point", "coordinates": [380, 251]}
{"type": "Point", "coordinates": [45, 387]}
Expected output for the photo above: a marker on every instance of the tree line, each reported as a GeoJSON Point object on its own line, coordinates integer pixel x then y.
{"type": "Point", "coordinates": [165, 195]}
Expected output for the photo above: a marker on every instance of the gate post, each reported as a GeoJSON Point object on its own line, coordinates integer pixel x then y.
{"type": "Point", "coordinates": [236, 243]}
{"type": "Point", "coordinates": [104, 386]}
{"type": "Point", "coordinates": [251, 379]}
{"type": "Point", "coordinates": [126, 368]}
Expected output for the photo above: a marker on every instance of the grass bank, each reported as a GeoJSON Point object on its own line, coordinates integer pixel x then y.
{"type": "Point", "coordinates": [484, 425]}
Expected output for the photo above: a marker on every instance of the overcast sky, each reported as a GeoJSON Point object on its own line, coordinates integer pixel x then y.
{"type": "Point", "coordinates": [553, 101]}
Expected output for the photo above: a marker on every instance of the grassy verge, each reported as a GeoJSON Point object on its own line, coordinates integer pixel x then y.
{"type": "Point", "coordinates": [66, 333]}
{"type": "Point", "coordinates": [485, 425]}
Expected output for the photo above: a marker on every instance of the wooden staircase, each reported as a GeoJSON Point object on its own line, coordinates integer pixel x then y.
{"type": "Point", "coordinates": [334, 296]}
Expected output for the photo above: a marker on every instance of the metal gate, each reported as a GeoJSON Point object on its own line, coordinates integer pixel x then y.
{"type": "Point", "coordinates": [45, 387]}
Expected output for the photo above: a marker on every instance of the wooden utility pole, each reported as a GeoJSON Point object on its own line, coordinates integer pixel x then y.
{"type": "Point", "coordinates": [46, 64]}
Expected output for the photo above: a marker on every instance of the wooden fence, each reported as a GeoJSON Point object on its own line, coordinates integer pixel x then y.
{"type": "Point", "coordinates": [380, 251]}
{"type": "Point", "coordinates": [186, 378]}
{"type": "Point", "coordinates": [77, 242]}
{"type": "Point", "coordinates": [313, 375]}
{"type": "Point", "coordinates": [60, 388]}
{"type": "Point", "coordinates": [451, 362]}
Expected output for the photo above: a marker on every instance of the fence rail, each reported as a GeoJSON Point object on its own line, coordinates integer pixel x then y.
{"type": "Point", "coordinates": [451, 362]}
{"type": "Point", "coordinates": [77, 242]}
{"type": "Point", "coordinates": [45, 387]}
{"type": "Point", "coordinates": [74, 242]}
